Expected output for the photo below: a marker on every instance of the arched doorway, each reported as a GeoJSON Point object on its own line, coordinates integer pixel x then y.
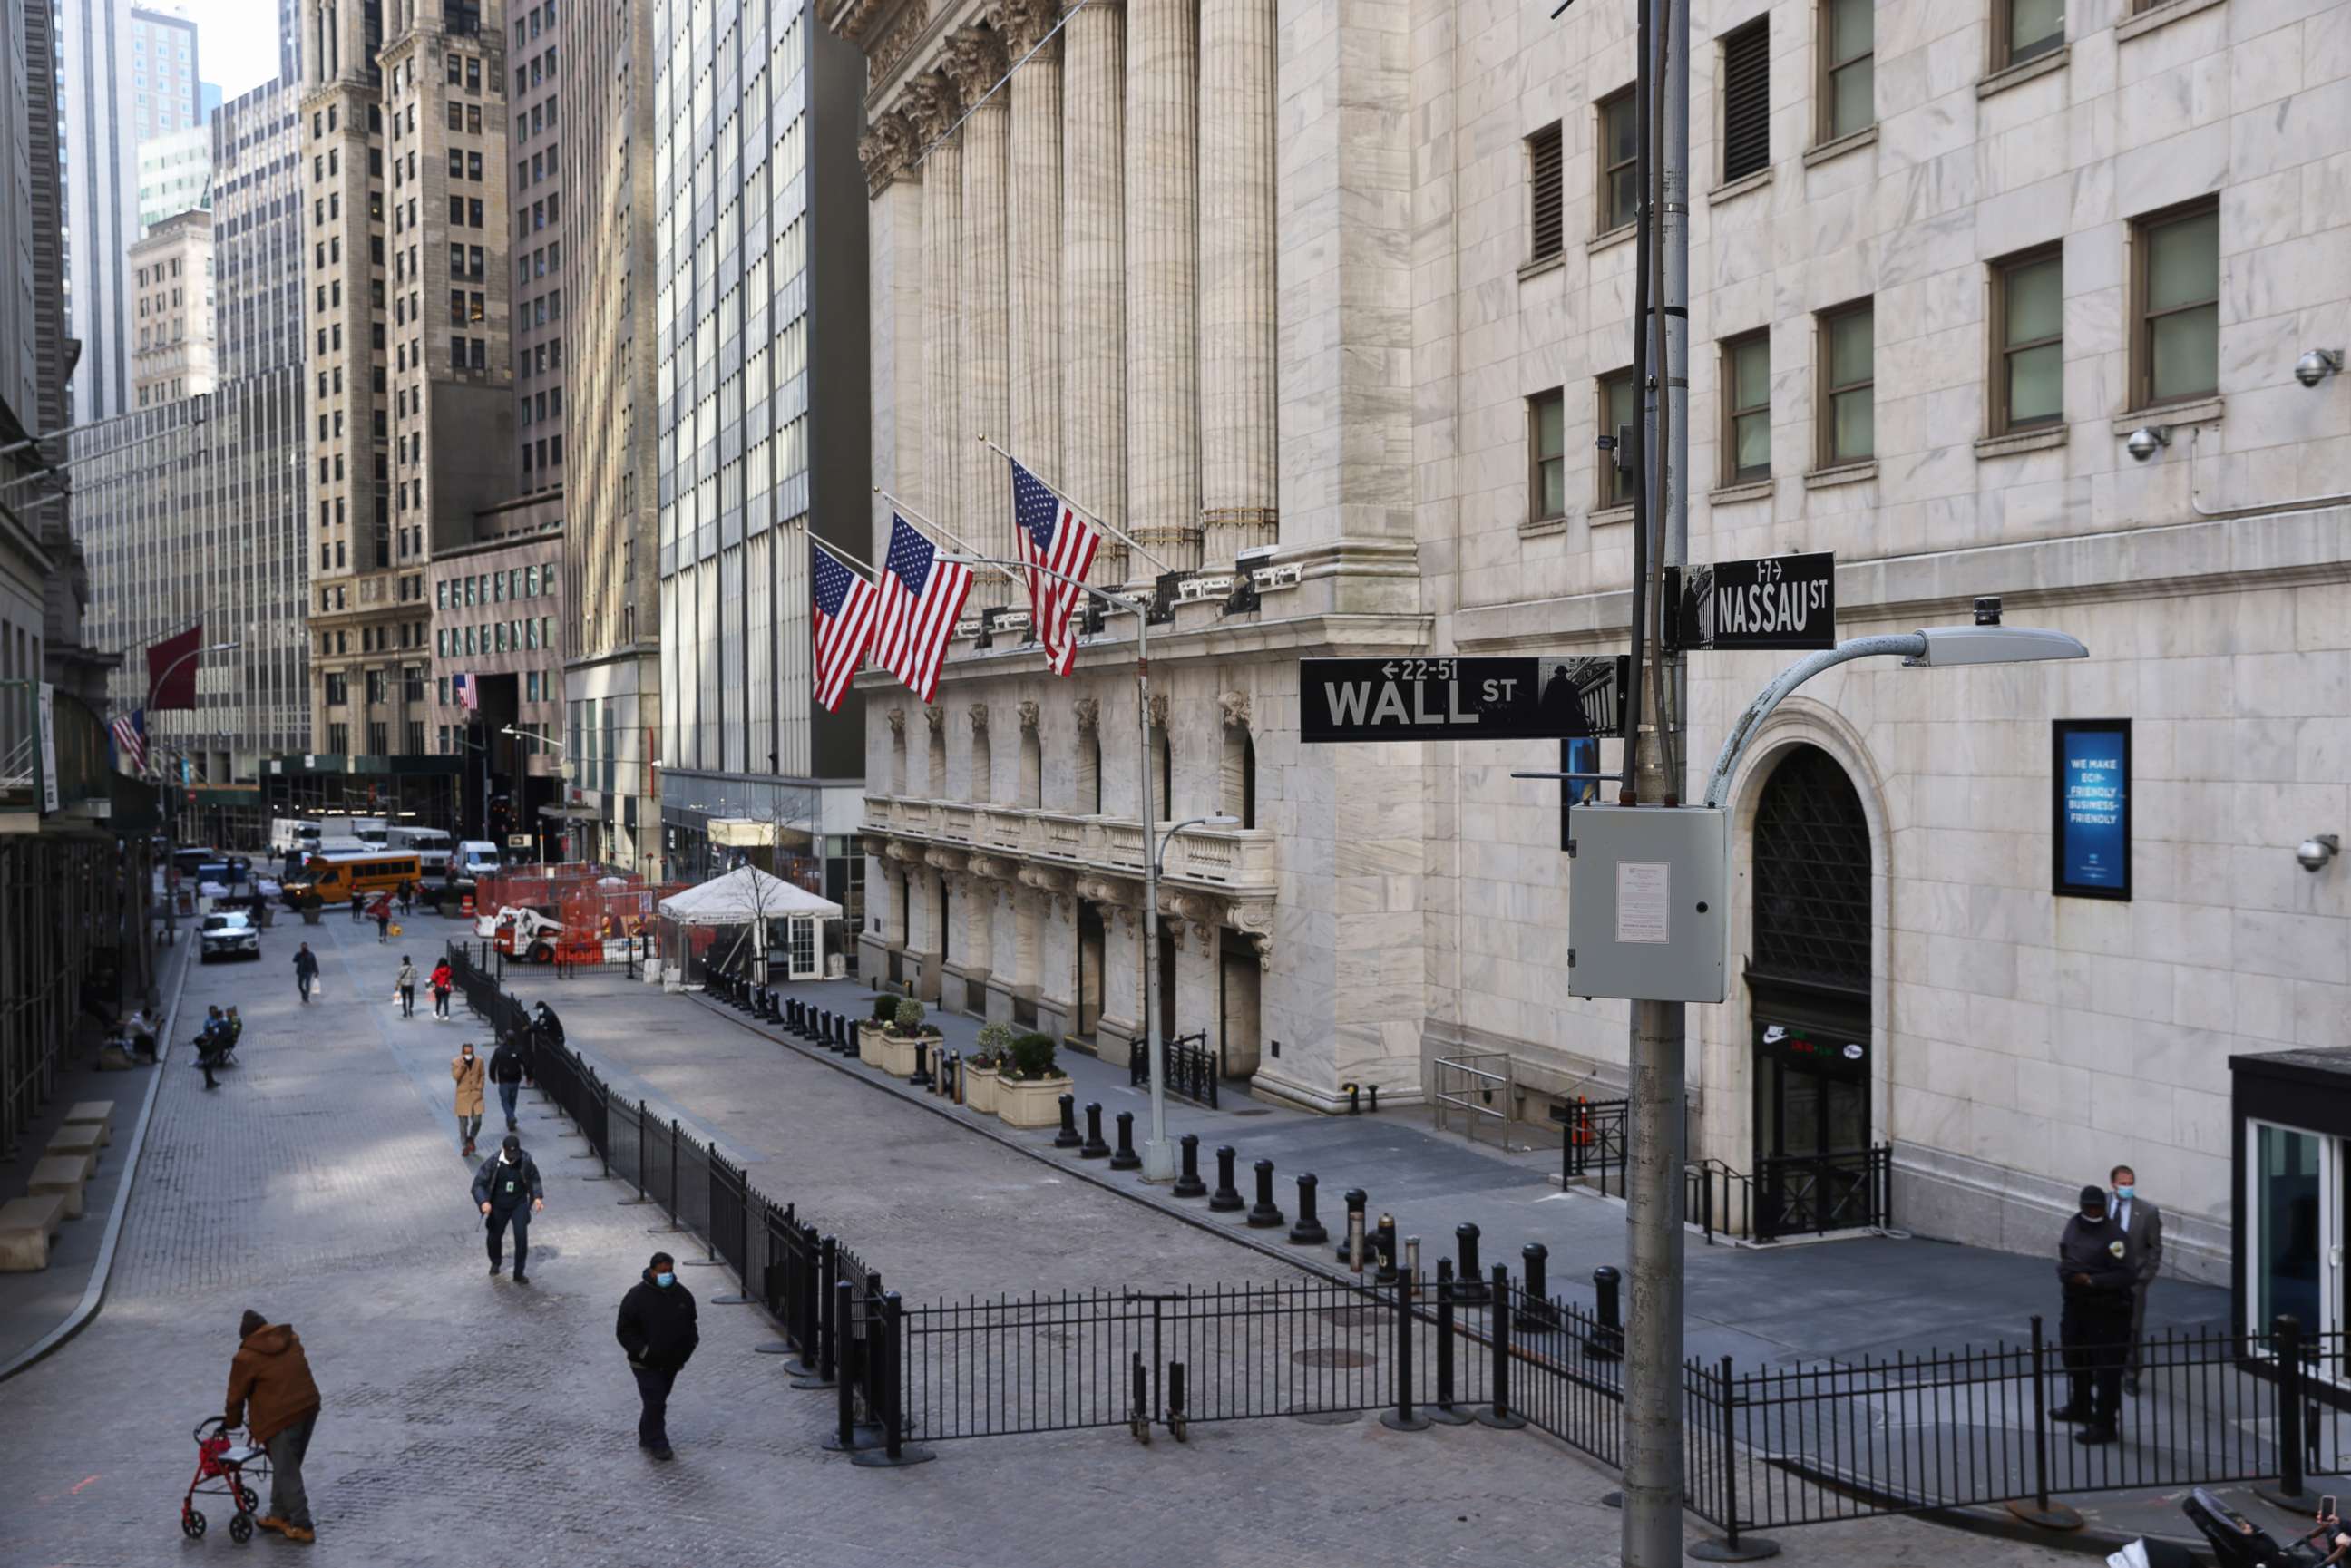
{"type": "Point", "coordinates": [1808, 980]}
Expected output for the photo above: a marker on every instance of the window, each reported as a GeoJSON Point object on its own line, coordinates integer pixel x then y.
{"type": "Point", "coordinates": [1546, 223]}
{"type": "Point", "coordinates": [1747, 100]}
{"type": "Point", "coordinates": [1848, 42]}
{"type": "Point", "coordinates": [2027, 29]}
{"type": "Point", "coordinates": [1620, 148]}
{"type": "Point", "coordinates": [2176, 289]}
{"type": "Point", "coordinates": [2028, 323]}
{"type": "Point", "coordinates": [1546, 456]}
{"type": "Point", "coordinates": [1848, 357]}
{"type": "Point", "coordinates": [456, 118]}
{"type": "Point", "coordinates": [1619, 411]}
{"type": "Point", "coordinates": [1746, 408]}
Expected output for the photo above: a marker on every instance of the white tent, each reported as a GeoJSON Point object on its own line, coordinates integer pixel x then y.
{"type": "Point", "coordinates": [741, 919]}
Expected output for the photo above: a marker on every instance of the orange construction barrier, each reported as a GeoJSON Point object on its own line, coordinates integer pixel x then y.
{"type": "Point", "coordinates": [465, 904]}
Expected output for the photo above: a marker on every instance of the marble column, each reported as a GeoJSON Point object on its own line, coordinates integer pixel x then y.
{"type": "Point", "coordinates": [932, 106]}
{"type": "Point", "coordinates": [1036, 292]}
{"type": "Point", "coordinates": [1162, 236]}
{"type": "Point", "coordinates": [974, 61]}
{"type": "Point", "coordinates": [1093, 252]}
{"type": "Point", "coordinates": [1238, 497]}
{"type": "Point", "coordinates": [895, 305]}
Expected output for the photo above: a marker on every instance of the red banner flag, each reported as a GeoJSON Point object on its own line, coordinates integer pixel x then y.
{"type": "Point", "coordinates": [172, 671]}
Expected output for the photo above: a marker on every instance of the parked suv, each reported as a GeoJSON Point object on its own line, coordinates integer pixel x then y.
{"type": "Point", "coordinates": [228, 934]}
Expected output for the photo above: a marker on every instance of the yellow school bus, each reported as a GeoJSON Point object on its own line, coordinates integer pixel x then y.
{"type": "Point", "coordinates": [333, 878]}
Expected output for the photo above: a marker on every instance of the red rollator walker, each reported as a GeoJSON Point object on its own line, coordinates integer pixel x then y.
{"type": "Point", "coordinates": [225, 1468]}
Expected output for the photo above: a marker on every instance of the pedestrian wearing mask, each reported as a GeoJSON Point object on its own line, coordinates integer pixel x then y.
{"type": "Point", "coordinates": [404, 983]}
{"type": "Point", "coordinates": [2094, 1273]}
{"type": "Point", "coordinates": [658, 1332]}
{"type": "Point", "coordinates": [509, 1072]}
{"type": "Point", "coordinates": [465, 1070]}
{"type": "Point", "coordinates": [508, 1190]}
{"type": "Point", "coordinates": [2142, 1227]}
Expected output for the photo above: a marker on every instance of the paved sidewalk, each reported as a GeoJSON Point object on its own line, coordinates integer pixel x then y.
{"type": "Point", "coordinates": [469, 1418]}
{"type": "Point", "coordinates": [1798, 1301]}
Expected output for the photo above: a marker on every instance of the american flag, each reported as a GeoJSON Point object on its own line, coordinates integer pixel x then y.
{"type": "Point", "coordinates": [129, 732]}
{"type": "Point", "coordinates": [1055, 538]}
{"type": "Point", "coordinates": [842, 624]}
{"type": "Point", "coordinates": [921, 597]}
{"type": "Point", "coordinates": [467, 690]}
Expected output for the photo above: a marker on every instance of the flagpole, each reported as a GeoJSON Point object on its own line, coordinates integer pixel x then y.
{"type": "Point", "coordinates": [1107, 527]}
{"type": "Point", "coordinates": [830, 548]}
{"type": "Point", "coordinates": [960, 543]}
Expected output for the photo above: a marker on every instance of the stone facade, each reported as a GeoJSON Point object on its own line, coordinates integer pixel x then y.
{"type": "Point", "coordinates": [1428, 385]}
{"type": "Point", "coordinates": [172, 269]}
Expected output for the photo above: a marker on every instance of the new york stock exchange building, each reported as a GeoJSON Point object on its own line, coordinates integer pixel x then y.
{"type": "Point", "coordinates": [1324, 306]}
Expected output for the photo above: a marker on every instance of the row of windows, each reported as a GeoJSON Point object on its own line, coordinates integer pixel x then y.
{"type": "Point", "coordinates": [547, 451]}
{"type": "Point", "coordinates": [539, 166]}
{"type": "Point", "coordinates": [540, 68]}
{"type": "Point", "coordinates": [539, 407]}
{"type": "Point", "coordinates": [543, 211]}
{"type": "Point", "coordinates": [2173, 349]}
{"type": "Point", "coordinates": [539, 262]}
{"type": "Point", "coordinates": [497, 637]}
{"type": "Point", "coordinates": [493, 587]}
{"type": "Point", "coordinates": [1844, 104]}
{"type": "Point", "coordinates": [542, 359]}
{"type": "Point", "coordinates": [540, 118]}
{"type": "Point", "coordinates": [537, 19]}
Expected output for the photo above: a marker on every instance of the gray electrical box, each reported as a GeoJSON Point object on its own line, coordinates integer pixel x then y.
{"type": "Point", "coordinates": [1645, 916]}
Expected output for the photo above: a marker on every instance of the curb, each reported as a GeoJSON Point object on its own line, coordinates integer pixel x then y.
{"type": "Point", "coordinates": [93, 1296]}
{"type": "Point", "coordinates": [2090, 1541]}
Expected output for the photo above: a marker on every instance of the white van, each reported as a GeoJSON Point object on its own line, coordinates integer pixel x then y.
{"type": "Point", "coordinates": [431, 844]}
{"type": "Point", "coordinates": [292, 834]}
{"type": "Point", "coordinates": [472, 860]}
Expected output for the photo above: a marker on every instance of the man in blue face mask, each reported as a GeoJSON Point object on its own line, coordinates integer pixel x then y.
{"type": "Point", "coordinates": [658, 1332]}
{"type": "Point", "coordinates": [2142, 1227]}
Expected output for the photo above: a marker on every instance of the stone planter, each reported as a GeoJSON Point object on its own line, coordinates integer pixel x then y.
{"type": "Point", "coordinates": [898, 1051]}
{"type": "Point", "coordinates": [868, 1043]}
{"type": "Point", "coordinates": [1031, 1102]}
{"type": "Point", "coordinates": [979, 1088]}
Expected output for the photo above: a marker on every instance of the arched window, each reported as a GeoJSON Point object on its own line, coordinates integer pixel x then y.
{"type": "Point", "coordinates": [1237, 794]}
{"type": "Point", "coordinates": [1164, 761]}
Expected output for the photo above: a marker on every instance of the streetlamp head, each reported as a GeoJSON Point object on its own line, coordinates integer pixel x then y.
{"type": "Point", "coordinates": [1948, 646]}
{"type": "Point", "coordinates": [1220, 820]}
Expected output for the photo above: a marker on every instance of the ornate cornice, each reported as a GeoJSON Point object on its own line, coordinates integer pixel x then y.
{"type": "Point", "coordinates": [1026, 21]}
{"type": "Point", "coordinates": [893, 45]}
{"type": "Point", "coordinates": [974, 60]}
{"type": "Point", "coordinates": [852, 20]}
{"type": "Point", "coordinates": [885, 150]}
{"type": "Point", "coordinates": [1236, 709]}
{"type": "Point", "coordinates": [932, 104]}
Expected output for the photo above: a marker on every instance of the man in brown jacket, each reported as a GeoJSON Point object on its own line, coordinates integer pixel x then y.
{"type": "Point", "coordinates": [272, 1375]}
{"type": "Point", "coordinates": [465, 1069]}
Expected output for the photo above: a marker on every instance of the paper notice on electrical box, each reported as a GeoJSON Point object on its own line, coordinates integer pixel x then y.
{"type": "Point", "coordinates": [1644, 895]}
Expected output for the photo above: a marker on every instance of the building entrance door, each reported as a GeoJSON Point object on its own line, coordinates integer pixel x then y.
{"type": "Point", "coordinates": [1088, 1003]}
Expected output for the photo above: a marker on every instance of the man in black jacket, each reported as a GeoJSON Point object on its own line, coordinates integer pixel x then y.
{"type": "Point", "coordinates": [510, 1072]}
{"type": "Point", "coordinates": [507, 1189]}
{"type": "Point", "coordinates": [657, 1329]}
{"type": "Point", "coordinates": [2095, 1329]}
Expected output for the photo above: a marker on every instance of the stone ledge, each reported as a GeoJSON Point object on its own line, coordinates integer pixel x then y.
{"type": "Point", "coordinates": [2016, 441]}
{"type": "Point", "coordinates": [1542, 528]}
{"type": "Point", "coordinates": [1842, 474]}
{"type": "Point", "coordinates": [1618, 235]}
{"type": "Point", "coordinates": [1605, 515]}
{"type": "Point", "coordinates": [1739, 187]}
{"type": "Point", "coordinates": [1744, 490]}
{"type": "Point", "coordinates": [2155, 16]}
{"type": "Point", "coordinates": [2196, 411]}
{"type": "Point", "coordinates": [2008, 76]}
{"type": "Point", "coordinates": [1851, 141]}
{"type": "Point", "coordinates": [1542, 265]}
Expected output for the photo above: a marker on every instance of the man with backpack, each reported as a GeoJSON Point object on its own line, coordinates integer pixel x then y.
{"type": "Point", "coordinates": [508, 1191]}
{"type": "Point", "coordinates": [510, 1072]}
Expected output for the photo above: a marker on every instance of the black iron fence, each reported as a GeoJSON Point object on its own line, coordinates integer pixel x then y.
{"type": "Point", "coordinates": [1814, 1193]}
{"type": "Point", "coordinates": [1192, 1067]}
{"type": "Point", "coordinates": [1769, 1447]}
{"type": "Point", "coordinates": [1593, 1138]}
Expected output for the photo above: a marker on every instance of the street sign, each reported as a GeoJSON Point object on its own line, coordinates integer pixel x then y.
{"type": "Point", "coordinates": [1777, 601]}
{"type": "Point", "coordinates": [1550, 698]}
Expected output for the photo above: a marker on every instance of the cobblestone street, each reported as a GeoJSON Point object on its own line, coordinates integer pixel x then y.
{"type": "Point", "coordinates": [467, 1417]}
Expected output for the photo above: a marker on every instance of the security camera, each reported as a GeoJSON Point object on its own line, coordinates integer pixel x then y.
{"type": "Point", "coordinates": [2315, 852]}
{"type": "Point", "coordinates": [2316, 365]}
{"type": "Point", "coordinates": [2147, 440]}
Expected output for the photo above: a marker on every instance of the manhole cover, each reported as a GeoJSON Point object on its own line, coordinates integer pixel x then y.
{"type": "Point", "coordinates": [1330, 1355]}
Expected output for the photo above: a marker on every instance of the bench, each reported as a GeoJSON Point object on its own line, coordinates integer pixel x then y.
{"type": "Point", "coordinates": [27, 1224]}
{"type": "Point", "coordinates": [64, 1174]}
{"type": "Point", "coordinates": [82, 1138]}
{"type": "Point", "coordinates": [97, 1113]}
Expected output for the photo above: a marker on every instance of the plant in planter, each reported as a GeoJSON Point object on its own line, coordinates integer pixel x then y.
{"type": "Point", "coordinates": [869, 1030]}
{"type": "Point", "coordinates": [983, 1066]}
{"type": "Point", "coordinates": [1029, 1089]}
{"type": "Point", "coordinates": [904, 1031]}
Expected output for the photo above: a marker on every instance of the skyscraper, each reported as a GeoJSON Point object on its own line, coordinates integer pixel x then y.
{"type": "Point", "coordinates": [98, 153]}
{"type": "Point", "coordinates": [537, 195]}
{"type": "Point", "coordinates": [164, 91]}
{"type": "Point", "coordinates": [258, 232]}
{"type": "Point", "coordinates": [172, 270]}
{"type": "Point", "coordinates": [405, 154]}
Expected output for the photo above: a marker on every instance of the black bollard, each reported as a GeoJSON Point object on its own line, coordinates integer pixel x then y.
{"type": "Point", "coordinates": [1536, 1314]}
{"type": "Point", "coordinates": [843, 1033]}
{"type": "Point", "coordinates": [1096, 1148]}
{"type": "Point", "coordinates": [1357, 1200]}
{"type": "Point", "coordinates": [1443, 1410]}
{"type": "Point", "coordinates": [1607, 1339]}
{"type": "Point", "coordinates": [1375, 1098]}
{"type": "Point", "coordinates": [951, 1077]}
{"type": "Point", "coordinates": [1499, 1413]}
{"type": "Point", "coordinates": [922, 1078]}
{"type": "Point", "coordinates": [1224, 1199]}
{"type": "Point", "coordinates": [1189, 1183]}
{"type": "Point", "coordinates": [1067, 1138]}
{"type": "Point", "coordinates": [1385, 1239]}
{"type": "Point", "coordinates": [1470, 1286]}
{"type": "Point", "coordinates": [1126, 1159]}
{"type": "Point", "coordinates": [1262, 1214]}
{"type": "Point", "coordinates": [1309, 1229]}
{"type": "Point", "coordinates": [795, 1015]}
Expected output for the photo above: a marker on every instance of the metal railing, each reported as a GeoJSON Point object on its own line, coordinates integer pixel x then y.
{"type": "Point", "coordinates": [1592, 1143]}
{"type": "Point", "coordinates": [1801, 1195]}
{"type": "Point", "coordinates": [1192, 1068]}
{"type": "Point", "coordinates": [1471, 1086]}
